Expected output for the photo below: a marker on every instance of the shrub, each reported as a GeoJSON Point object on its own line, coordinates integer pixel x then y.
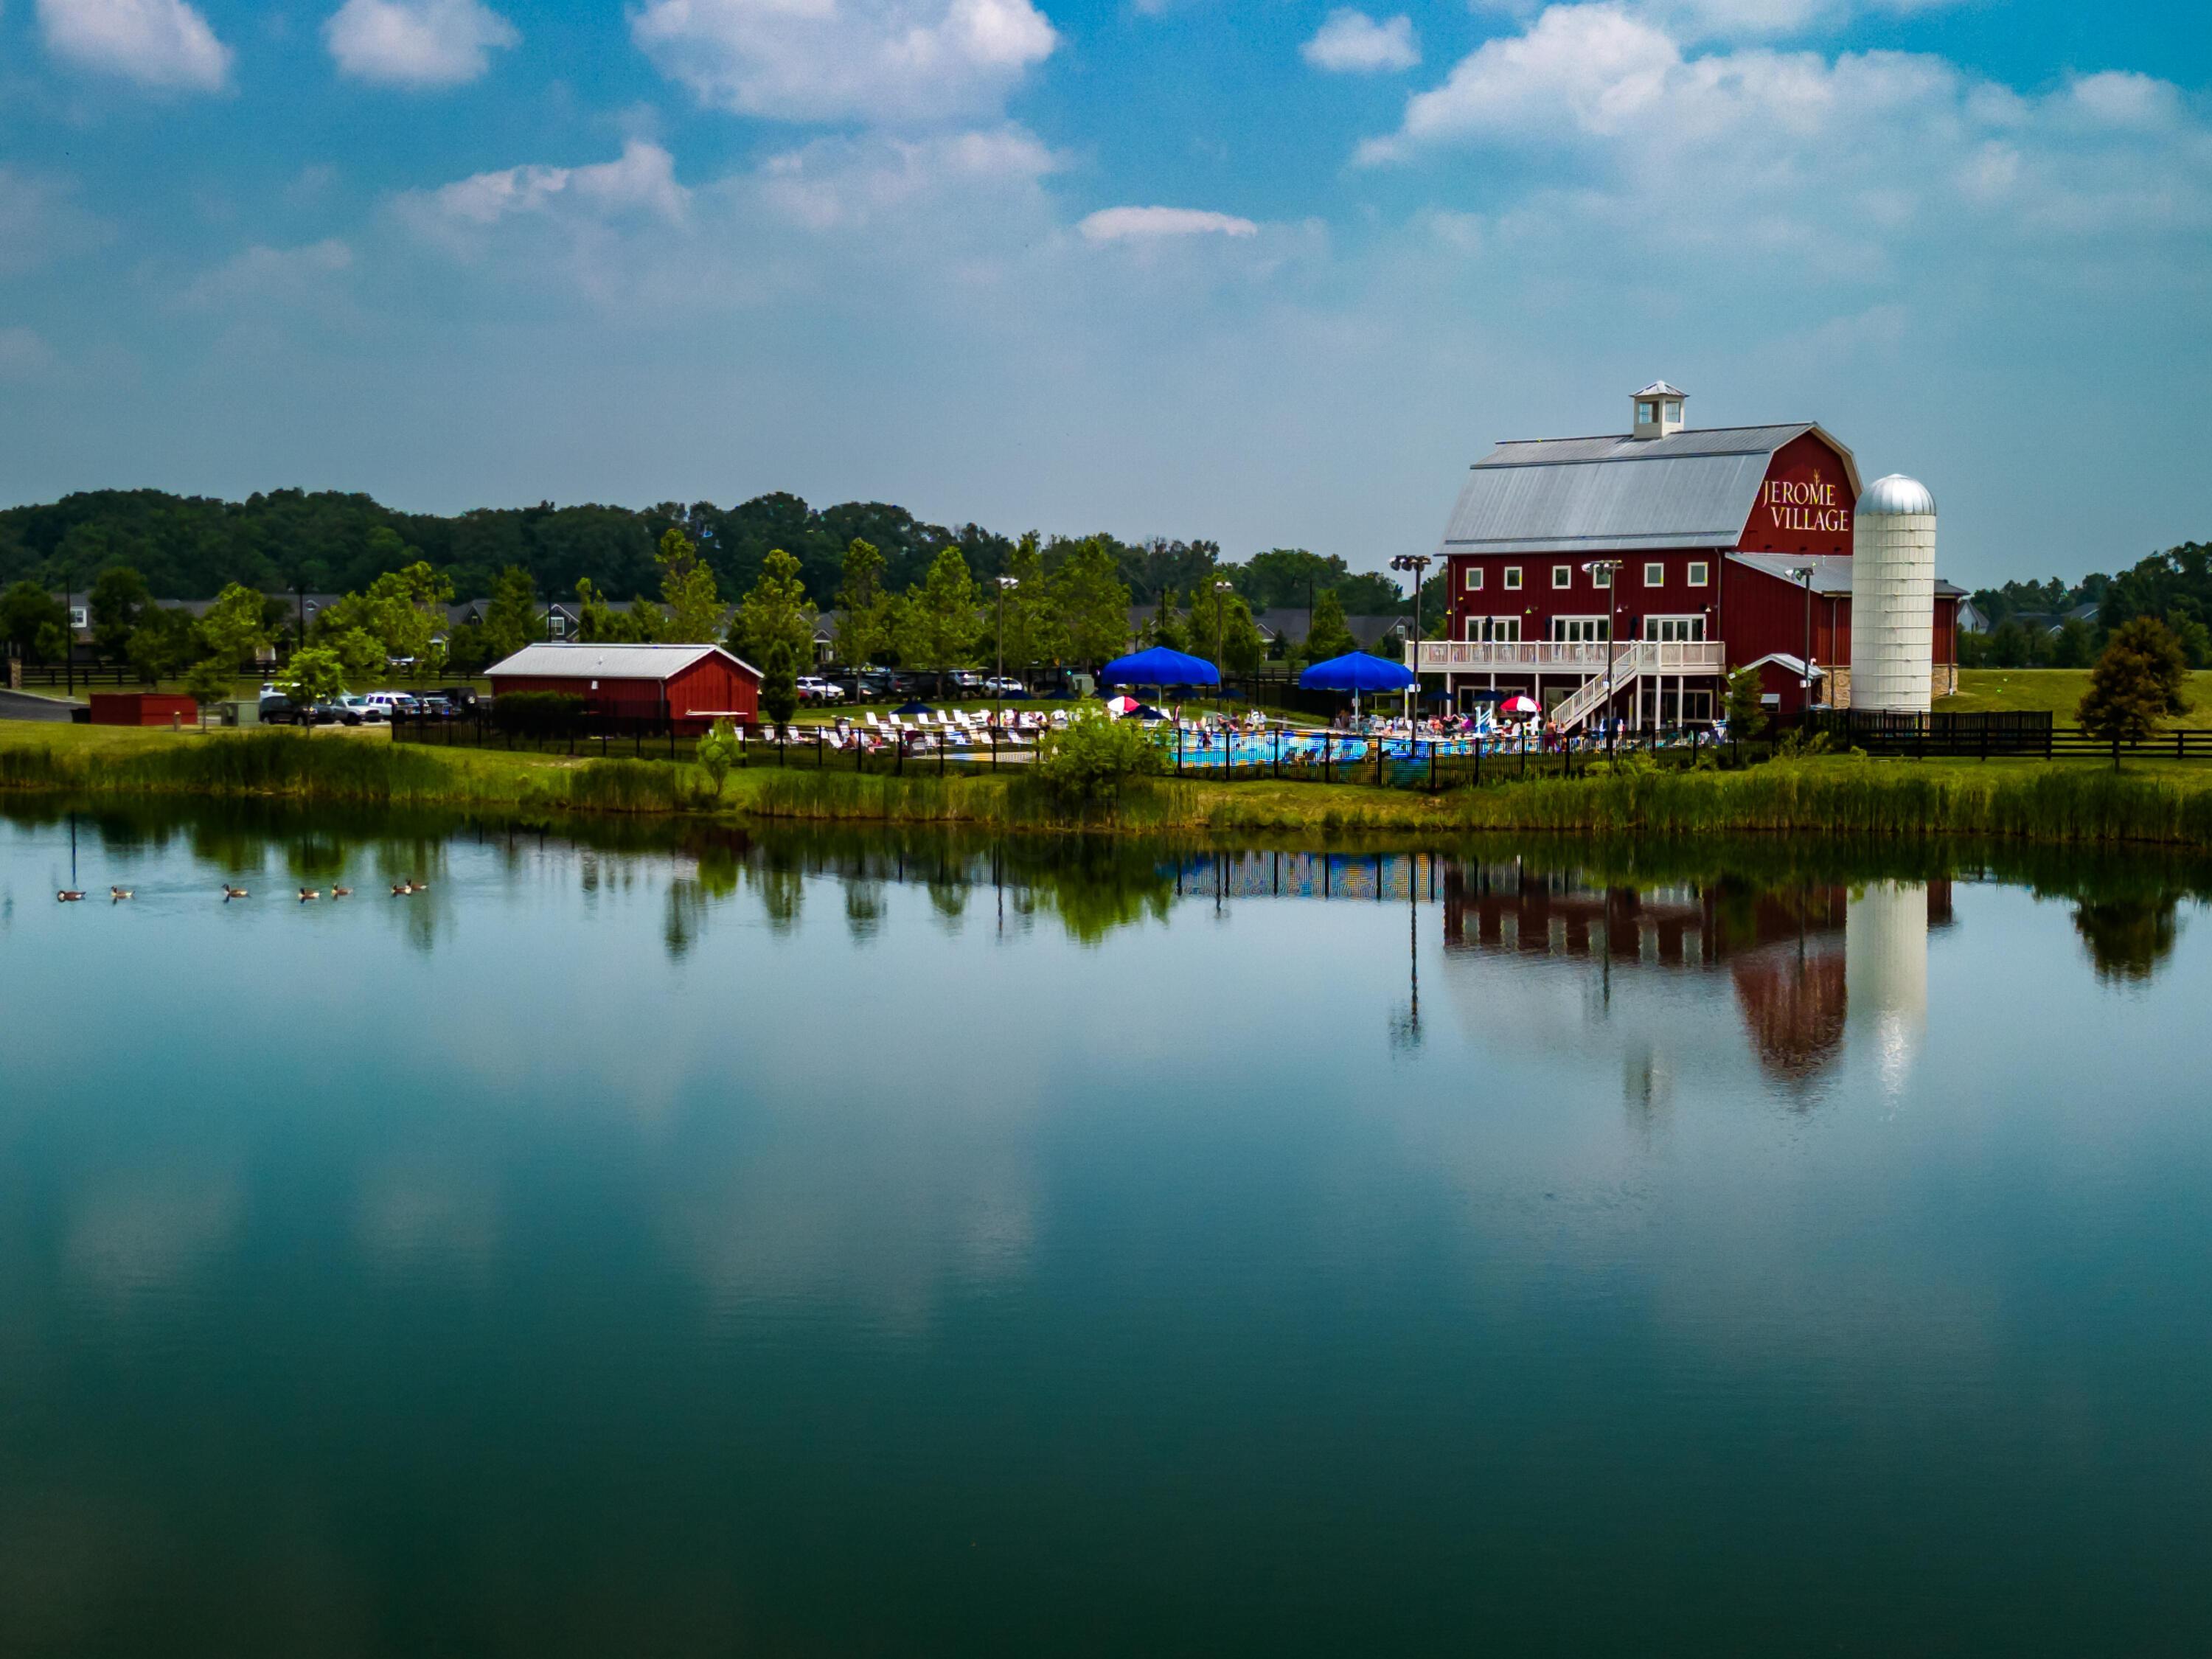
{"type": "Point", "coordinates": [1090, 762]}
{"type": "Point", "coordinates": [537, 713]}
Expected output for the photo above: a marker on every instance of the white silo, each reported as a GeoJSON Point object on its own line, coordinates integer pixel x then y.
{"type": "Point", "coordinates": [1893, 596]}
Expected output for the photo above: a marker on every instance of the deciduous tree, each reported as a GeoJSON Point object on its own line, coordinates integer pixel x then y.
{"type": "Point", "coordinates": [864, 609]}
{"type": "Point", "coordinates": [940, 623]}
{"type": "Point", "coordinates": [775, 614]}
{"type": "Point", "coordinates": [2137, 682]}
{"type": "Point", "coordinates": [687, 587]}
{"type": "Point", "coordinates": [1092, 604]}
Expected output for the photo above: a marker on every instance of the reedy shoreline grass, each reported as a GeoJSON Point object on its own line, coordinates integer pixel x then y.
{"type": "Point", "coordinates": [2079, 803]}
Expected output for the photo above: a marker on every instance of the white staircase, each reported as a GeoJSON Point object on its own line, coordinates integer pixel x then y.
{"type": "Point", "coordinates": [1631, 663]}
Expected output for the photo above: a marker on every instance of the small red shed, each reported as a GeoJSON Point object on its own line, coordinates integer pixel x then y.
{"type": "Point", "coordinates": [690, 686]}
{"type": "Point", "coordinates": [142, 708]}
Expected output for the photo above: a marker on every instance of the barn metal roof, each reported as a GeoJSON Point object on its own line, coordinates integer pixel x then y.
{"type": "Point", "coordinates": [611, 662]}
{"type": "Point", "coordinates": [1691, 489]}
{"type": "Point", "coordinates": [1832, 572]}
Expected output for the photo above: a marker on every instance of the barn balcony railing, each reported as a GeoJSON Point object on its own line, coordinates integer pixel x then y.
{"type": "Point", "coordinates": [1588, 657]}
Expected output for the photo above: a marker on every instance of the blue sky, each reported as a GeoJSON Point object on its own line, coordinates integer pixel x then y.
{"type": "Point", "coordinates": [1271, 273]}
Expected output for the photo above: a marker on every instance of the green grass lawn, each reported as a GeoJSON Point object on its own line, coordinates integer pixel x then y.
{"type": "Point", "coordinates": [2057, 689]}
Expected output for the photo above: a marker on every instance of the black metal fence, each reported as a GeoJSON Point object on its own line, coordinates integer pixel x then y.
{"type": "Point", "coordinates": [1996, 735]}
{"type": "Point", "coordinates": [1316, 756]}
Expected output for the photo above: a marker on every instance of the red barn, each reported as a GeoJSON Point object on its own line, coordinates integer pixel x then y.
{"type": "Point", "coordinates": [1700, 552]}
{"type": "Point", "coordinates": [691, 686]}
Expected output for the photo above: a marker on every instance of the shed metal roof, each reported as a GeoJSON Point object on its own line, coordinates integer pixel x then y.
{"type": "Point", "coordinates": [1691, 489]}
{"type": "Point", "coordinates": [608, 662]}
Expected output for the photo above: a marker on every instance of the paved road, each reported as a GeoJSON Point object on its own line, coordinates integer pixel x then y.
{"type": "Point", "coordinates": [21, 705]}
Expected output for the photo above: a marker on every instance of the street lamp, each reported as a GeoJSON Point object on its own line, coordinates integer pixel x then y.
{"type": "Point", "coordinates": [1803, 573]}
{"type": "Point", "coordinates": [68, 633]}
{"type": "Point", "coordinates": [1612, 585]}
{"type": "Point", "coordinates": [1006, 584]}
{"type": "Point", "coordinates": [1419, 564]}
{"type": "Point", "coordinates": [1222, 590]}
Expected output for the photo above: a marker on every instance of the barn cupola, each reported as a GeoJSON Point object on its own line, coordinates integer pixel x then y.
{"type": "Point", "coordinates": [1658, 410]}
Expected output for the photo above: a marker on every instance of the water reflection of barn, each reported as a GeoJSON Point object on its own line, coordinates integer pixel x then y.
{"type": "Point", "coordinates": [1782, 947]}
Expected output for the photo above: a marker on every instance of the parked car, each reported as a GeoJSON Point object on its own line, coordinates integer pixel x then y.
{"type": "Point", "coordinates": [388, 703]}
{"type": "Point", "coordinates": [360, 711]}
{"type": "Point", "coordinates": [1007, 687]}
{"type": "Point", "coordinates": [965, 683]}
{"type": "Point", "coordinates": [460, 698]}
{"type": "Point", "coordinates": [277, 709]}
{"type": "Point", "coordinates": [333, 711]}
{"type": "Point", "coordinates": [812, 688]}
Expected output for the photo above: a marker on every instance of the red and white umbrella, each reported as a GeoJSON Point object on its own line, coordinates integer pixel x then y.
{"type": "Point", "coordinates": [1519, 708]}
{"type": "Point", "coordinates": [1122, 705]}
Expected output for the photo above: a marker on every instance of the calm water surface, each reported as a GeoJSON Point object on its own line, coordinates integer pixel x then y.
{"type": "Point", "coordinates": [871, 1247]}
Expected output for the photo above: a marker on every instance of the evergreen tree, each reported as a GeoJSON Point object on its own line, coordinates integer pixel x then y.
{"type": "Point", "coordinates": [1328, 636]}
{"type": "Point", "coordinates": [1743, 706]}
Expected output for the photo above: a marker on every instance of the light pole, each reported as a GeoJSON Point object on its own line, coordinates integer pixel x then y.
{"type": "Point", "coordinates": [1611, 584]}
{"type": "Point", "coordinates": [69, 638]}
{"type": "Point", "coordinates": [1803, 573]}
{"type": "Point", "coordinates": [1222, 590]}
{"type": "Point", "coordinates": [1419, 564]}
{"type": "Point", "coordinates": [999, 690]}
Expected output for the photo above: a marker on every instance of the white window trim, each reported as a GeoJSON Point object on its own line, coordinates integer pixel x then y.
{"type": "Point", "coordinates": [1473, 581]}
{"type": "Point", "coordinates": [1700, 572]}
{"type": "Point", "coordinates": [1513, 579]}
{"type": "Point", "coordinates": [1654, 573]}
{"type": "Point", "coordinates": [1600, 626]}
{"type": "Point", "coordinates": [1601, 576]}
{"type": "Point", "coordinates": [1697, 618]}
{"type": "Point", "coordinates": [1562, 575]}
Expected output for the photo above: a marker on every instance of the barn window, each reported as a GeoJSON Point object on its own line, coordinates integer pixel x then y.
{"type": "Point", "coordinates": [1698, 573]}
{"type": "Point", "coordinates": [1474, 579]}
{"type": "Point", "coordinates": [1655, 575]}
{"type": "Point", "coordinates": [1513, 576]}
{"type": "Point", "coordinates": [1562, 575]}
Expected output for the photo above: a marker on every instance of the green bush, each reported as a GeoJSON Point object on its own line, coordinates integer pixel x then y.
{"type": "Point", "coordinates": [1091, 762]}
{"type": "Point", "coordinates": [537, 713]}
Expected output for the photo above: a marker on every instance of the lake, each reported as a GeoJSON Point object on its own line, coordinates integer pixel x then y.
{"type": "Point", "coordinates": [655, 1240]}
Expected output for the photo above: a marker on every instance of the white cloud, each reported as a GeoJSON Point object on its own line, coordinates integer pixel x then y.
{"type": "Point", "coordinates": [842, 184]}
{"type": "Point", "coordinates": [1352, 43]}
{"type": "Point", "coordinates": [876, 60]}
{"type": "Point", "coordinates": [1843, 162]}
{"type": "Point", "coordinates": [266, 276]}
{"type": "Point", "coordinates": [641, 181]}
{"type": "Point", "coordinates": [415, 43]}
{"type": "Point", "coordinates": [1144, 224]}
{"type": "Point", "coordinates": [156, 43]}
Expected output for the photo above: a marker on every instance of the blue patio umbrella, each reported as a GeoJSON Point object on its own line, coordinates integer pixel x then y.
{"type": "Point", "coordinates": [1356, 671]}
{"type": "Point", "coordinates": [914, 708]}
{"type": "Point", "coordinates": [1159, 666]}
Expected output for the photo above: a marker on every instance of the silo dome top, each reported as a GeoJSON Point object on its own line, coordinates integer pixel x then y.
{"type": "Point", "coordinates": [1896, 496]}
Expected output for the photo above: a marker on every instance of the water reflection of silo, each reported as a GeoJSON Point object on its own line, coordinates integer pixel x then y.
{"type": "Point", "coordinates": [1886, 938]}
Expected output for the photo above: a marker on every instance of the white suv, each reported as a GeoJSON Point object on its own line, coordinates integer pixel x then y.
{"type": "Point", "coordinates": [812, 688]}
{"type": "Point", "coordinates": [385, 704]}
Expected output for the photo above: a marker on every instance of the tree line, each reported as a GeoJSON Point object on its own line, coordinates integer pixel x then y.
{"type": "Point", "coordinates": [318, 542]}
{"type": "Point", "coordinates": [2028, 626]}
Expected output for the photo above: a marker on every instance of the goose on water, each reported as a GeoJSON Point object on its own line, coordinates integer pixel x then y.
{"type": "Point", "coordinates": [402, 889]}
{"type": "Point", "coordinates": [116, 893]}
{"type": "Point", "coordinates": [230, 893]}
{"type": "Point", "coordinates": [341, 892]}
{"type": "Point", "coordinates": [306, 893]}
{"type": "Point", "coordinates": [70, 894]}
